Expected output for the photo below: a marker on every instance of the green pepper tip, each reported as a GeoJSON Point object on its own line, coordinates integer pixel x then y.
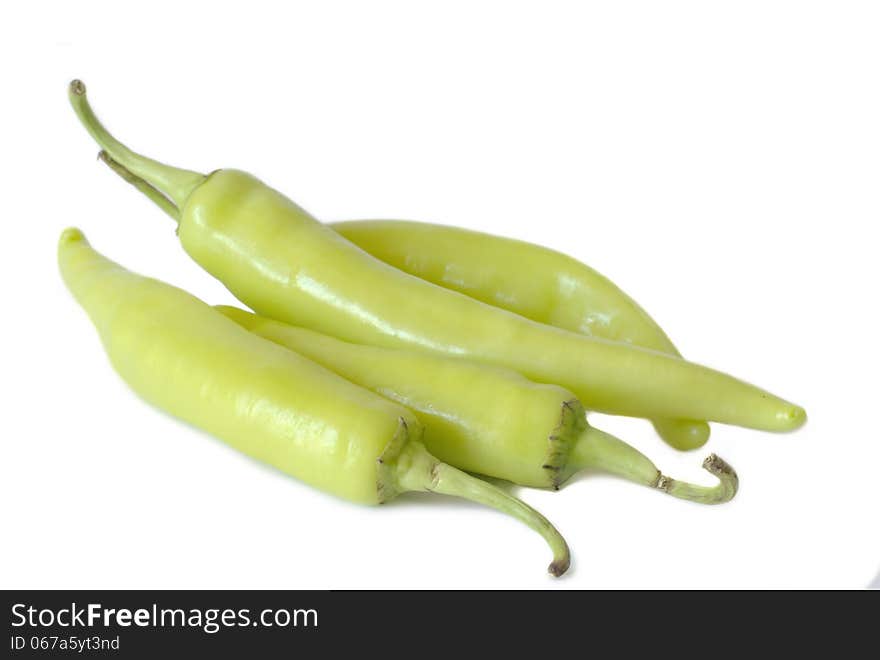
{"type": "Point", "coordinates": [796, 417]}
{"type": "Point", "coordinates": [70, 235]}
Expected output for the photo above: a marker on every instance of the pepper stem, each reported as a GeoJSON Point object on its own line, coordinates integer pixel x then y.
{"type": "Point", "coordinates": [418, 470]}
{"type": "Point", "coordinates": [728, 484]}
{"type": "Point", "coordinates": [602, 451]}
{"type": "Point", "coordinates": [152, 194]}
{"type": "Point", "coordinates": [175, 183]}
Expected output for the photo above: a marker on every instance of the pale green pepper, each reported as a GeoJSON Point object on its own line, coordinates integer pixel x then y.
{"type": "Point", "coordinates": [527, 279]}
{"type": "Point", "coordinates": [184, 357]}
{"type": "Point", "coordinates": [487, 419]}
{"type": "Point", "coordinates": [286, 265]}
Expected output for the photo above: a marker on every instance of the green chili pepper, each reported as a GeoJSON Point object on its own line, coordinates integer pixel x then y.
{"type": "Point", "coordinates": [527, 279]}
{"type": "Point", "coordinates": [487, 419]}
{"type": "Point", "coordinates": [286, 265]}
{"type": "Point", "coordinates": [279, 407]}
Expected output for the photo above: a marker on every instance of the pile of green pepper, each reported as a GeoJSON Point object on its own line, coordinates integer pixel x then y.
{"type": "Point", "coordinates": [387, 357]}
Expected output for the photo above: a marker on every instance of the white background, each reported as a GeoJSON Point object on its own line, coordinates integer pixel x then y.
{"type": "Point", "coordinates": [720, 161]}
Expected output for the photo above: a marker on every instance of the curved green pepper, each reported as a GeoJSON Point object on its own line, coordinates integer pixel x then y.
{"type": "Point", "coordinates": [486, 419]}
{"type": "Point", "coordinates": [532, 281]}
{"type": "Point", "coordinates": [270, 403]}
{"type": "Point", "coordinates": [284, 264]}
